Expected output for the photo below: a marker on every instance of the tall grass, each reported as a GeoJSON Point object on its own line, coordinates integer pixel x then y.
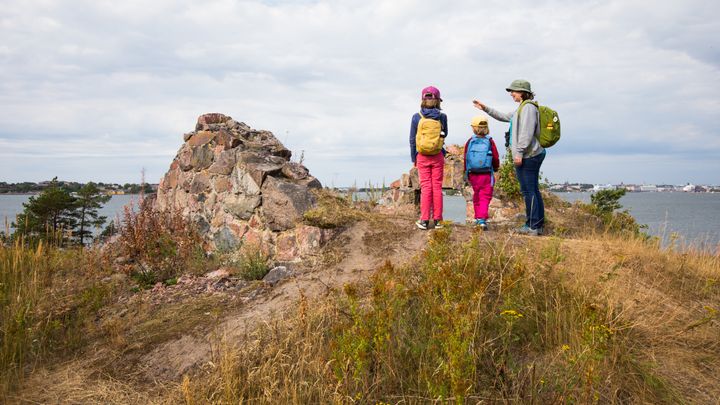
{"type": "Point", "coordinates": [23, 273]}
{"type": "Point", "coordinates": [466, 323]}
{"type": "Point", "coordinates": [48, 297]}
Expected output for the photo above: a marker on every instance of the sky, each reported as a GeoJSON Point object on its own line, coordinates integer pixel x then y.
{"type": "Point", "coordinates": [103, 90]}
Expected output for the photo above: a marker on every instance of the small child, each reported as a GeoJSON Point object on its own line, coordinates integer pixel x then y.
{"type": "Point", "coordinates": [481, 163]}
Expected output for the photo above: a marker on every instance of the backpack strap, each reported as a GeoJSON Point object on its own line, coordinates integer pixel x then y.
{"type": "Point", "coordinates": [490, 152]}
{"type": "Point", "coordinates": [492, 170]}
{"type": "Point", "coordinates": [468, 145]}
{"type": "Point", "coordinates": [523, 105]}
{"type": "Point", "coordinates": [533, 102]}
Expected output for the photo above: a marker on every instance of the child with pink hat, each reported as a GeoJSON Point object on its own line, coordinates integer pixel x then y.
{"type": "Point", "coordinates": [428, 129]}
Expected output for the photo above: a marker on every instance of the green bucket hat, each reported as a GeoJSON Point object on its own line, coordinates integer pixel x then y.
{"type": "Point", "coordinates": [519, 85]}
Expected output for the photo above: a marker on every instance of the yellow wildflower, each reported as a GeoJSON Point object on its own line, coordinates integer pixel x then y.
{"type": "Point", "coordinates": [711, 311]}
{"type": "Point", "coordinates": [511, 313]}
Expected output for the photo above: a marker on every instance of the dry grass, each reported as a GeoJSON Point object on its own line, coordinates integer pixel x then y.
{"type": "Point", "coordinates": [78, 382]}
{"type": "Point", "coordinates": [48, 298]}
{"type": "Point", "coordinates": [285, 361]}
{"type": "Point", "coordinates": [543, 320]}
{"type": "Point", "coordinates": [333, 211]}
{"type": "Point", "coordinates": [109, 368]}
{"type": "Point", "coordinates": [61, 302]}
{"type": "Point", "coordinates": [595, 314]}
{"type": "Point", "coordinates": [670, 298]}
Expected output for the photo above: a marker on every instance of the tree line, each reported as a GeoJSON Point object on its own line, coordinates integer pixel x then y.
{"type": "Point", "coordinates": [72, 186]}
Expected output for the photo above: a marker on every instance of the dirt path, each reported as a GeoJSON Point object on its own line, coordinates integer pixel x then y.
{"type": "Point", "coordinates": [363, 248]}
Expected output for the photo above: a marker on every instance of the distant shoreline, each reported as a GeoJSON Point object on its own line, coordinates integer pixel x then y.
{"type": "Point", "coordinates": [38, 192]}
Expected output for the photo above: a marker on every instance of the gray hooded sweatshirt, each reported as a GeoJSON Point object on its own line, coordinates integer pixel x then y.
{"type": "Point", "coordinates": [523, 142]}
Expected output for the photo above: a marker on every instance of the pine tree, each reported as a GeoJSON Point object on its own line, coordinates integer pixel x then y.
{"type": "Point", "coordinates": [46, 216]}
{"type": "Point", "coordinates": [607, 201]}
{"type": "Point", "coordinates": [88, 200]}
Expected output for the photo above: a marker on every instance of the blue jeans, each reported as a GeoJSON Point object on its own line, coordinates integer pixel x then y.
{"type": "Point", "coordinates": [528, 175]}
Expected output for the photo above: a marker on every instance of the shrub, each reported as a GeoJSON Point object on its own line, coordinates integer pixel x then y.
{"type": "Point", "coordinates": [332, 211]}
{"type": "Point", "coordinates": [607, 201]}
{"type": "Point", "coordinates": [507, 183]}
{"type": "Point", "coordinates": [155, 245]}
{"type": "Point", "coordinates": [252, 263]}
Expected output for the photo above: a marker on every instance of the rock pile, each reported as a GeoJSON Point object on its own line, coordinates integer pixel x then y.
{"type": "Point", "coordinates": [239, 186]}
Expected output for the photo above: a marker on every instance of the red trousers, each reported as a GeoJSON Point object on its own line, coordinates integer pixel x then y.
{"type": "Point", "coordinates": [430, 171]}
{"type": "Point", "coordinates": [482, 186]}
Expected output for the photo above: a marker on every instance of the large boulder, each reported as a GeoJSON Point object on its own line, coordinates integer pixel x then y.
{"type": "Point", "coordinates": [284, 202]}
{"type": "Point", "coordinates": [239, 186]}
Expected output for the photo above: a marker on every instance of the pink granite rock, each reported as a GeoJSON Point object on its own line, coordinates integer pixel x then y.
{"type": "Point", "coordinates": [239, 186]}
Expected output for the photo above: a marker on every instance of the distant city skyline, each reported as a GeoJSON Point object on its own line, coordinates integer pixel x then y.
{"type": "Point", "coordinates": [97, 91]}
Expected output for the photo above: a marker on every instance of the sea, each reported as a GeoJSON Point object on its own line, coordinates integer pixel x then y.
{"type": "Point", "coordinates": [693, 218]}
{"type": "Point", "coordinates": [690, 218]}
{"type": "Point", "coordinates": [12, 205]}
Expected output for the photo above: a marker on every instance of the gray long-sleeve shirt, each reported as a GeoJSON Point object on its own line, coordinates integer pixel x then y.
{"type": "Point", "coordinates": [523, 143]}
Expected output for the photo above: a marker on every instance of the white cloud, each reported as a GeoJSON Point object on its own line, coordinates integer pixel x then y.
{"type": "Point", "coordinates": [340, 80]}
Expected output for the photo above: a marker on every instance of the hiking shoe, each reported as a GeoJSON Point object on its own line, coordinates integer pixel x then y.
{"type": "Point", "coordinates": [438, 224]}
{"type": "Point", "coordinates": [482, 224]}
{"type": "Point", "coordinates": [422, 224]}
{"type": "Point", "coordinates": [526, 230]}
{"type": "Point", "coordinates": [523, 230]}
{"type": "Point", "coordinates": [536, 232]}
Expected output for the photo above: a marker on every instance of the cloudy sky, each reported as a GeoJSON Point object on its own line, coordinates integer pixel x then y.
{"type": "Point", "coordinates": [98, 90]}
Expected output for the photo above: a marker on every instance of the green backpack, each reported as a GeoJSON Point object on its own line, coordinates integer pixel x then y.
{"type": "Point", "coordinates": [549, 124]}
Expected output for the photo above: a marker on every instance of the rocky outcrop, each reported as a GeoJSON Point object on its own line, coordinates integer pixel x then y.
{"type": "Point", "coordinates": [239, 186]}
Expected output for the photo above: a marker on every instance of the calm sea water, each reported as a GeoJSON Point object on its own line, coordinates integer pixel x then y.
{"type": "Point", "coordinates": [12, 205]}
{"type": "Point", "coordinates": [693, 216]}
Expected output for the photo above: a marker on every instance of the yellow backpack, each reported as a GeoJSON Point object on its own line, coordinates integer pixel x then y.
{"type": "Point", "coordinates": [427, 138]}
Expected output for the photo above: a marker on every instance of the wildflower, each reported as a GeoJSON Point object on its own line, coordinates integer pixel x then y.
{"type": "Point", "coordinates": [711, 311]}
{"type": "Point", "coordinates": [565, 348]}
{"type": "Point", "coordinates": [602, 331]}
{"type": "Point", "coordinates": [511, 314]}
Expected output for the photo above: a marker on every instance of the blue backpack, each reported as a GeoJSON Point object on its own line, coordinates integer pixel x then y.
{"type": "Point", "coordinates": [479, 155]}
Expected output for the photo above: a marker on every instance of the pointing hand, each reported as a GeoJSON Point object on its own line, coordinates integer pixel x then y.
{"type": "Point", "coordinates": [479, 105]}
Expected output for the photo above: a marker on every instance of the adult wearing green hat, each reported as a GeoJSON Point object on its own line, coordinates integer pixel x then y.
{"type": "Point", "coordinates": [527, 153]}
